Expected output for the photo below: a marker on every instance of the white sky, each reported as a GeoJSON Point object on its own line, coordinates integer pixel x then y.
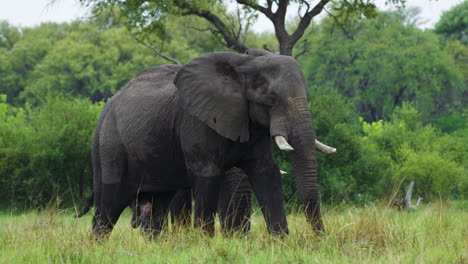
{"type": "Point", "coordinates": [28, 13]}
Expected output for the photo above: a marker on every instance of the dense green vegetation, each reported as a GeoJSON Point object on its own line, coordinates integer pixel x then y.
{"type": "Point", "coordinates": [389, 96]}
{"type": "Point", "coordinates": [150, 17]}
{"type": "Point", "coordinates": [435, 233]}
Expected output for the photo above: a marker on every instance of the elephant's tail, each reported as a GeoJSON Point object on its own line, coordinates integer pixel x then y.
{"type": "Point", "coordinates": [89, 202]}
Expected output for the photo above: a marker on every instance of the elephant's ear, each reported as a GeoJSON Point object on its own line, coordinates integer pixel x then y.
{"type": "Point", "coordinates": [212, 88]}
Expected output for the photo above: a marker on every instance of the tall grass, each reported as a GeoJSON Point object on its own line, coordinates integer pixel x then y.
{"type": "Point", "coordinates": [435, 233]}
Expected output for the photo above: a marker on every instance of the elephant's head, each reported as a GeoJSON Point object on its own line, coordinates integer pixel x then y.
{"type": "Point", "coordinates": [230, 91]}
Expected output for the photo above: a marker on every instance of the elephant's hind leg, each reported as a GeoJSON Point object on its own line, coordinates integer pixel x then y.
{"type": "Point", "coordinates": [154, 209]}
{"type": "Point", "coordinates": [113, 196]}
{"type": "Point", "coordinates": [111, 206]}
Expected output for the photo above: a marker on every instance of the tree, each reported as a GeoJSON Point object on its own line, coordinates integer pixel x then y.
{"type": "Point", "coordinates": [379, 64]}
{"type": "Point", "coordinates": [21, 51]}
{"type": "Point", "coordinates": [89, 62]}
{"type": "Point", "coordinates": [86, 59]}
{"type": "Point", "coordinates": [150, 16]}
{"type": "Point", "coordinates": [9, 35]}
{"type": "Point", "coordinates": [453, 23]}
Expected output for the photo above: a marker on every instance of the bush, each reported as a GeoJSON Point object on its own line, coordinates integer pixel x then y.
{"type": "Point", "coordinates": [450, 122]}
{"type": "Point", "coordinates": [45, 152]}
{"type": "Point", "coordinates": [435, 161]}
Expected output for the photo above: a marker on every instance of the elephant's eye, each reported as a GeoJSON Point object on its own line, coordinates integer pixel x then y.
{"type": "Point", "coordinates": [261, 84]}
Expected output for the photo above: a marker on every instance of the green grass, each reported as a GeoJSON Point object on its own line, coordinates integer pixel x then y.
{"type": "Point", "coordinates": [434, 233]}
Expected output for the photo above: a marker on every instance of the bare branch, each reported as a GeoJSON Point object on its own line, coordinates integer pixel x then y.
{"type": "Point", "coordinates": [308, 6]}
{"type": "Point", "coordinates": [406, 202]}
{"type": "Point", "coordinates": [306, 19]}
{"type": "Point", "coordinates": [408, 195]}
{"type": "Point", "coordinates": [300, 9]}
{"type": "Point", "coordinates": [265, 10]}
{"type": "Point", "coordinates": [154, 49]}
{"type": "Point", "coordinates": [269, 5]}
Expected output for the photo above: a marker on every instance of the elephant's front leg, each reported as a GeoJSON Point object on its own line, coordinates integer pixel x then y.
{"type": "Point", "coordinates": [265, 178]}
{"type": "Point", "coordinates": [206, 192]}
{"type": "Point", "coordinates": [180, 209]}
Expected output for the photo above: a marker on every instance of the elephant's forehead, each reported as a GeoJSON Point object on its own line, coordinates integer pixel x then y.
{"type": "Point", "coordinates": [283, 62]}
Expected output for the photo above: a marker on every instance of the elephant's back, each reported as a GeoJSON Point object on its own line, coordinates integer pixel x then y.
{"type": "Point", "coordinates": [145, 116]}
{"type": "Point", "coordinates": [147, 98]}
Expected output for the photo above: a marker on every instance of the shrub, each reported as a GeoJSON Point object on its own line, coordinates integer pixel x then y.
{"type": "Point", "coordinates": [45, 152]}
{"type": "Point", "coordinates": [435, 161]}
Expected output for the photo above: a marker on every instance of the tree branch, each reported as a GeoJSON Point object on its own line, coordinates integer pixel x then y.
{"type": "Point", "coordinates": [340, 25]}
{"type": "Point", "coordinates": [306, 19]}
{"type": "Point", "coordinates": [300, 9]}
{"type": "Point", "coordinates": [282, 7]}
{"type": "Point", "coordinates": [406, 202]}
{"type": "Point", "coordinates": [231, 41]}
{"type": "Point", "coordinates": [154, 49]}
{"type": "Point", "coordinates": [265, 10]}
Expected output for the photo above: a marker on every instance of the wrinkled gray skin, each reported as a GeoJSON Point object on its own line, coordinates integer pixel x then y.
{"type": "Point", "coordinates": [234, 206]}
{"type": "Point", "coordinates": [172, 129]}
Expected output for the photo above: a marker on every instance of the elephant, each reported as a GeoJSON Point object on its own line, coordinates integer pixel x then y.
{"type": "Point", "coordinates": [181, 127]}
{"type": "Point", "coordinates": [234, 206]}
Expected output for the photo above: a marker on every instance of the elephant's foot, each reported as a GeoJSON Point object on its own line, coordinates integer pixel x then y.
{"type": "Point", "coordinates": [278, 230]}
{"type": "Point", "coordinates": [101, 233]}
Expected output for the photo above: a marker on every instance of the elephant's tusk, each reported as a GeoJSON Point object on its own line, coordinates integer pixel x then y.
{"type": "Point", "coordinates": [324, 148]}
{"type": "Point", "coordinates": [282, 172]}
{"type": "Point", "coordinates": [283, 143]}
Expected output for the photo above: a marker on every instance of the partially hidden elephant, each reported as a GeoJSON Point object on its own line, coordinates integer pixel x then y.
{"type": "Point", "coordinates": [234, 206]}
{"type": "Point", "coordinates": [181, 127]}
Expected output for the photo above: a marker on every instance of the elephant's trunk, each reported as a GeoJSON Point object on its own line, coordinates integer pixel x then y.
{"type": "Point", "coordinates": [304, 162]}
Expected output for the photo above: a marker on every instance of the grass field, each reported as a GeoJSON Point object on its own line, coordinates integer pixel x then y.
{"type": "Point", "coordinates": [434, 233]}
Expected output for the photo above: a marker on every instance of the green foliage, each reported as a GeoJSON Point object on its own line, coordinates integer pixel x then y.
{"type": "Point", "coordinates": [450, 122]}
{"type": "Point", "coordinates": [9, 35]}
{"type": "Point", "coordinates": [453, 23]}
{"type": "Point", "coordinates": [459, 53]}
{"type": "Point", "coordinates": [90, 62]}
{"type": "Point", "coordinates": [379, 64]}
{"type": "Point", "coordinates": [150, 17]}
{"type": "Point", "coordinates": [18, 59]}
{"type": "Point", "coordinates": [86, 59]}
{"type": "Point", "coordinates": [45, 152]}
{"type": "Point", "coordinates": [433, 160]}
{"type": "Point", "coordinates": [336, 126]}
{"type": "Point", "coordinates": [436, 176]}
